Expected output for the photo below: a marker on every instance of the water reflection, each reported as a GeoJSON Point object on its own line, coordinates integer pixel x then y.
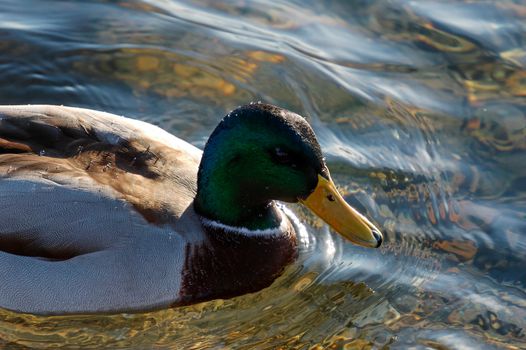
{"type": "Point", "coordinates": [419, 107]}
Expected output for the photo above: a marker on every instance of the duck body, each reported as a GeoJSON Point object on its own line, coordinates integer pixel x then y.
{"type": "Point", "coordinates": [96, 216]}
{"type": "Point", "coordinates": [104, 214]}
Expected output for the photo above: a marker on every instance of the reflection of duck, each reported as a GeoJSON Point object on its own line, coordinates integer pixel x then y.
{"type": "Point", "coordinates": [100, 213]}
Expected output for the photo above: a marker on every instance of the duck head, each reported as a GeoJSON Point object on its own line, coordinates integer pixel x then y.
{"type": "Point", "coordinates": [260, 153]}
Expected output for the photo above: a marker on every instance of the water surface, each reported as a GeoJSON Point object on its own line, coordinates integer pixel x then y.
{"type": "Point", "coordinates": [420, 110]}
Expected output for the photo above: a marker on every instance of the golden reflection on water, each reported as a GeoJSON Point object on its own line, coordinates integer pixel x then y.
{"type": "Point", "coordinates": [277, 315]}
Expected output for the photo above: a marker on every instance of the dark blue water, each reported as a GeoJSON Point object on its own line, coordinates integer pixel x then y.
{"type": "Point", "coordinates": [420, 108]}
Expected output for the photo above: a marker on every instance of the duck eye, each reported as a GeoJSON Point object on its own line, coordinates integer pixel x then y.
{"type": "Point", "coordinates": [281, 156]}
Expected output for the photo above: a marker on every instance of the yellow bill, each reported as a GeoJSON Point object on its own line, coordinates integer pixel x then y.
{"type": "Point", "coordinates": [328, 204]}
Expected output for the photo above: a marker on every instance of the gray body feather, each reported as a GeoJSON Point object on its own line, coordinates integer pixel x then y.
{"type": "Point", "coordinates": [95, 211]}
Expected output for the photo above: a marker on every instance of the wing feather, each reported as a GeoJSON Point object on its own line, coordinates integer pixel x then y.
{"type": "Point", "coordinates": [88, 206]}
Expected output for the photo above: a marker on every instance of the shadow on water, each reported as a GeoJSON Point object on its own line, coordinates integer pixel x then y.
{"type": "Point", "coordinates": [420, 110]}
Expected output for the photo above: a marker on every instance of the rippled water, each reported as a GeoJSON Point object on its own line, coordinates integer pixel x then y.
{"type": "Point", "coordinates": [420, 110]}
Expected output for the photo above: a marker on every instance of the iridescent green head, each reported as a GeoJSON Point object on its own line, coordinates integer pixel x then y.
{"type": "Point", "coordinates": [259, 153]}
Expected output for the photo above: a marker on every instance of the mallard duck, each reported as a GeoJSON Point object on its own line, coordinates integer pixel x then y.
{"type": "Point", "coordinates": [105, 214]}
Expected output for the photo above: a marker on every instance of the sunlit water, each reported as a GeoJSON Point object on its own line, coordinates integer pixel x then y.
{"type": "Point", "coordinates": [419, 107]}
